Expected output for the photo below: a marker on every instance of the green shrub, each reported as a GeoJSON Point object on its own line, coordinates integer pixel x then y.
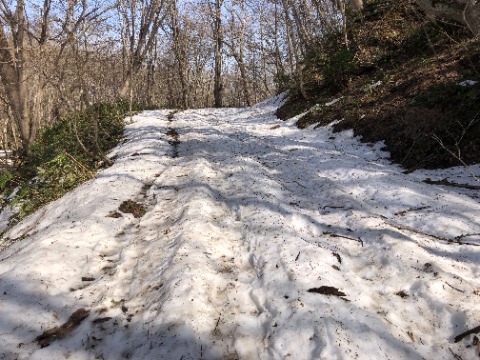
{"type": "Point", "coordinates": [5, 180]}
{"type": "Point", "coordinates": [283, 82]}
{"type": "Point", "coordinates": [67, 153]}
{"type": "Point", "coordinates": [329, 64]}
{"type": "Point", "coordinates": [338, 68]}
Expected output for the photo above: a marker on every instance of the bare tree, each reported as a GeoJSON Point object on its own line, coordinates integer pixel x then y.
{"type": "Point", "coordinates": [33, 58]}
{"type": "Point", "coordinates": [142, 20]}
{"type": "Point", "coordinates": [237, 27]}
{"type": "Point", "coordinates": [218, 39]}
{"type": "Point", "coordinates": [466, 12]}
{"type": "Point", "coordinates": [59, 56]}
{"type": "Point", "coordinates": [180, 49]}
{"type": "Point", "coordinates": [12, 60]}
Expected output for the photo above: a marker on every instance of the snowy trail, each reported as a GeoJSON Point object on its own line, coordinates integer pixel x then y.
{"type": "Point", "coordinates": [248, 222]}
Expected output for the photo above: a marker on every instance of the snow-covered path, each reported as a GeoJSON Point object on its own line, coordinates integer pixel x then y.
{"type": "Point", "coordinates": [259, 241]}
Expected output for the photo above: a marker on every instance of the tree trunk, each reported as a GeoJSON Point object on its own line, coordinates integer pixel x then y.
{"type": "Point", "coordinates": [142, 36]}
{"type": "Point", "coordinates": [303, 34]}
{"type": "Point", "coordinates": [13, 77]}
{"type": "Point", "coordinates": [341, 5]}
{"type": "Point", "coordinates": [179, 48]}
{"type": "Point", "coordinates": [218, 85]}
{"type": "Point", "coordinates": [292, 49]}
{"type": "Point", "coordinates": [244, 76]}
{"type": "Point", "coordinates": [263, 52]}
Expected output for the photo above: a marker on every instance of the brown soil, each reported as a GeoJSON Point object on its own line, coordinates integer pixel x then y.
{"type": "Point", "coordinates": [328, 290]}
{"type": "Point", "coordinates": [131, 207]}
{"type": "Point", "coordinates": [402, 294]}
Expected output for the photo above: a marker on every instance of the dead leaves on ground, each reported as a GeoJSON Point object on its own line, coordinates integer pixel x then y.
{"type": "Point", "coordinates": [131, 207]}
{"type": "Point", "coordinates": [58, 333]}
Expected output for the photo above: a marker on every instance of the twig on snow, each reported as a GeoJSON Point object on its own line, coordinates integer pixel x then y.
{"type": "Point", "coordinates": [343, 237]}
{"type": "Point", "coordinates": [456, 356]}
{"type": "Point", "coordinates": [463, 236]}
{"type": "Point", "coordinates": [454, 288]}
{"type": "Point", "coordinates": [445, 182]}
{"type": "Point", "coordinates": [404, 212]}
{"type": "Point", "coordinates": [296, 182]}
{"type": "Point", "coordinates": [458, 154]}
{"type": "Point", "coordinates": [463, 335]}
{"type": "Point", "coordinates": [420, 232]}
{"type": "Point", "coordinates": [218, 322]}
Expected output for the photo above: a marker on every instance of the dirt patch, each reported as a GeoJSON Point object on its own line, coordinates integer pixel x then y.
{"type": "Point", "coordinates": [58, 333]}
{"type": "Point", "coordinates": [158, 287]}
{"type": "Point", "coordinates": [173, 134]}
{"type": "Point", "coordinates": [171, 116]}
{"type": "Point", "coordinates": [295, 105]}
{"type": "Point", "coordinates": [115, 215]}
{"type": "Point", "coordinates": [175, 142]}
{"type": "Point", "coordinates": [402, 294]}
{"type": "Point", "coordinates": [131, 207]}
{"type": "Point", "coordinates": [329, 291]}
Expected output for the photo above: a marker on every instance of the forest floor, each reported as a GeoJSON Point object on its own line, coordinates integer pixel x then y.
{"type": "Point", "coordinates": [230, 234]}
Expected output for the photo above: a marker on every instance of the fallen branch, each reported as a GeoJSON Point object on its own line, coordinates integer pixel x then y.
{"type": "Point", "coordinates": [79, 164]}
{"type": "Point", "coordinates": [458, 154]}
{"type": "Point", "coordinates": [420, 232]}
{"type": "Point", "coordinates": [463, 335]}
{"type": "Point", "coordinates": [445, 182]}
{"type": "Point", "coordinates": [456, 356]}
{"type": "Point", "coordinates": [404, 212]}
{"type": "Point", "coordinates": [454, 288]}
{"type": "Point", "coordinates": [327, 290]}
{"type": "Point", "coordinates": [58, 333]}
{"type": "Point", "coordinates": [343, 237]}
{"type": "Point", "coordinates": [463, 236]}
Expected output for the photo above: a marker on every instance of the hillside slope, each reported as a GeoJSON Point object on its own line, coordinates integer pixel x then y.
{"type": "Point", "coordinates": [229, 234]}
{"type": "Point", "coordinates": [404, 80]}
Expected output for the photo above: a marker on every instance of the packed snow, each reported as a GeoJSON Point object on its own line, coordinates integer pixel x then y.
{"type": "Point", "coordinates": [254, 240]}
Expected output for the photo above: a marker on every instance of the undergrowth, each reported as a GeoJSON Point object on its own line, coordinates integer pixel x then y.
{"type": "Point", "coordinates": [64, 155]}
{"type": "Point", "coordinates": [398, 81]}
